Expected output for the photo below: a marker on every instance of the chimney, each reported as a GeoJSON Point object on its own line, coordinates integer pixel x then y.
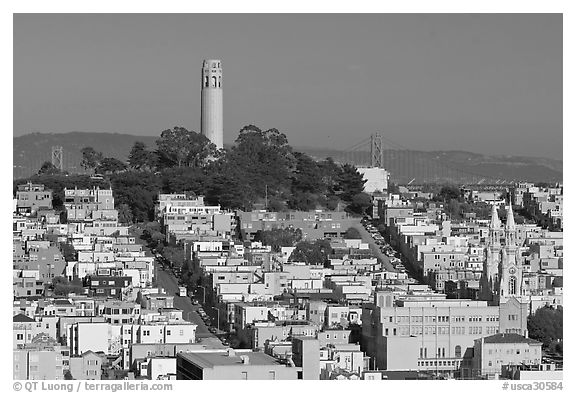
{"type": "Point", "coordinates": [526, 333]}
{"type": "Point", "coordinates": [231, 352]}
{"type": "Point", "coordinates": [245, 359]}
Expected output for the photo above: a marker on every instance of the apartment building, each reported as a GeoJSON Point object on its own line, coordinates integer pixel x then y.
{"type": "Point", "coordinates": [30, 198]}
{"type": "Point", "coordinates": [314, 224]}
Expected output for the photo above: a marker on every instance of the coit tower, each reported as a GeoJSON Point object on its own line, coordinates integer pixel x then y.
{"type": "Point", "coordinates": [211, 114]}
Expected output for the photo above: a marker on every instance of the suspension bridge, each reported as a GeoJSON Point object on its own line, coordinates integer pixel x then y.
{"type": "Point", "coordinates": [413, 167]}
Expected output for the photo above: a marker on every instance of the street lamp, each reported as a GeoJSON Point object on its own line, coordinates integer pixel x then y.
{"type": "Point", "coordinates": [218, 315]}
{"type": "Point", "coordinates": [203, 294]}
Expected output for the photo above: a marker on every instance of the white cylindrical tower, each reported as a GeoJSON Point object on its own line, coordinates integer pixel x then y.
{"type": "Point", "coordinates": [211, 115]}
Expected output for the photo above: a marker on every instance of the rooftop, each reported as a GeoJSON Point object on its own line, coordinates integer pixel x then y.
{"type": "Point", "coordinates": [214, 359]}
{"type": "Point", "coordinates": [509, 338]}
{"type": "Point", "coordinates": [22, 318]}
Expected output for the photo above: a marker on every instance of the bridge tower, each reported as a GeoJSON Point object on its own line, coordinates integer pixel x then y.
{"type": "Point", "coordinates": [376, 151]}
{"type": "Point", "coordinates": [58, 157]}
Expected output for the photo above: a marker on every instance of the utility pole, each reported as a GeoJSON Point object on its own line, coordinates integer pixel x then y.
{"type": "Point", "coordinates": [266, 198]}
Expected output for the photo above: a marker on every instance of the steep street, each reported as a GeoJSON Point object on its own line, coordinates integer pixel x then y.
{"type": "Point", "coordinates": [367, 238]}
{"type": "Point", "coordinates": [167, 281]}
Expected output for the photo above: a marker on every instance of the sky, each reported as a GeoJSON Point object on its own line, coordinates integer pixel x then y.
{"type": "Point", "coordinates": [486, 83]}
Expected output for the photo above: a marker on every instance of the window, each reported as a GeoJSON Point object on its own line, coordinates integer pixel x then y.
{"type": "Point", "coordinates": [244, 375]}
{"type": "Point", "coordinates": [458, 351]}
{"type": "Point", "coordinates": [512, 285]}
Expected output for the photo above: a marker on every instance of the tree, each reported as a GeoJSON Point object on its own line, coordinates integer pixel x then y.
{"type": "Point", "coordinates": [448, 193]}
{"type": "Point", "coordinates": [350, 182]}
{"type": "Point", "coordinates": [90, 158]}
{"type": "Point", "coordinates": [68, 251]}
{"type": "Point", "coordinates": [48, 168]}
{"type": "Point", "coordinates": [279, 237]}
{"type": "Point", "coordinates": [330, 172]}
{"type": "Point", "coordinates": [62, 287]}
{"type": "Point", "coordinates": [228, 188]}
{"type": "Point", "coordinates": [361, 204]}
{"type": "Point", "coordinates": [307, 177]}
{"type": "Point", "coordinates": [140, 158]}
{"type": "Point", "coordinates": [175, 255]}
{"type": "Point", "coordinates": [262, 160]}
{"type": "Point", "coordinates": [316, 253]}
{"type": "Point", "coordinates": [393, 188]}
{"type": "Point", "coordinates": [185, 180]}
{"type": "Point", "coordinates": [454, 209]}
{"type": "Point", "coordinates": [352, 233]}
{"type": "Point", "coordinates": [138, 191]}
{"type": "Point", "coordinates": [110, 165]}
{"type": "Point", "coordinates": [302, 201]}
{"type": "Point", "coordinates": [125, 215]}
{"type": "Point", "coordinates": [546, 325]}
{"type": "Point", "coordinates": [180, 147]}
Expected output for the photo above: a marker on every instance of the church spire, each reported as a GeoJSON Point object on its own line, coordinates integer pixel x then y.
{"type": "Point", "coordinates": [495, 228]}
{"type": "Point", "coordinates": [510, 219]}
{"type": "Point", "coordinates": [495, 221]}
{"type": "Point", "coordinates": [510, 229]}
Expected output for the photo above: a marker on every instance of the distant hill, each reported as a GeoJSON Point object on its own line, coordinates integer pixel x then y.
{"type": "Point", "coordinates": [31, 150]}
{"type": "Point", "coordinates": [405, 165]}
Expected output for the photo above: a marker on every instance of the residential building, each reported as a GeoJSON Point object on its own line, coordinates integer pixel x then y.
{"type": "Point", "coordinates": [233, 365]}
{"type": "Point", "coordinates": [493, 352]}
{"type": "Point", "coordinates": [30, 198]}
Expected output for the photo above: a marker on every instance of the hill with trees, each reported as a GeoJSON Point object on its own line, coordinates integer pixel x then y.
{"type": "Point", "coordinates": [31, 150]}
{"type": "Point", "coordinates": [261, 168]}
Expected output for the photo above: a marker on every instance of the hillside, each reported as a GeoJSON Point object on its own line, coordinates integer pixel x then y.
{"type": "Point", "coordinates": [31, 150]}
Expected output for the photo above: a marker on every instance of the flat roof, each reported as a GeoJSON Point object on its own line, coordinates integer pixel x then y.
{"type": "Point", "coordinates": [212, 359]}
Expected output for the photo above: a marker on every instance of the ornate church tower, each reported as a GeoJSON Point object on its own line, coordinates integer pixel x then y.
{"type": "Point", "coordinates": [490, 277]}
{"type": "Point", "coordinates": [510, 271]}
{"type": "Point", "coordinates": [212, 114]}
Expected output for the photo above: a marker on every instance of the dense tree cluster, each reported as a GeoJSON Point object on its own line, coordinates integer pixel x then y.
{"type": "Point", "coordinates": [352, 233]}
{"type": "Point", "coordinates": [313, 253]}
{"type": "Point", "coordinates": [279, 237]}
{"type": "Point", "coordinates": [48, 168]}
{"type": "Point", "coordinates": [260, 169]}
{"type": "Point", "coordinates": [546, 326]}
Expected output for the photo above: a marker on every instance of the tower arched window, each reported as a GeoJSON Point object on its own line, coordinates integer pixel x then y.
{"type": "Point", "coordinates": [219, 81]}
{"type": "Point", "coordinates": [206, 81]}
{"type": "Point", "coordinates": [512, 285]}
{"type": "Point", "coordinates": [215, 81]}
{"type": "Point", "coordinates": [458, 351]}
